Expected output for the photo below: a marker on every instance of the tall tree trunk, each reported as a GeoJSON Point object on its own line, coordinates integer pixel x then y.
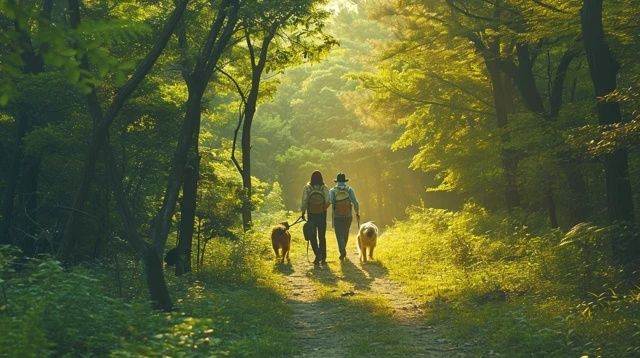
{"type": "Point", "coordinates": [250, 111]}
{"type": "Point", "coordinates": [501, 88]}
{"type": "Point", "coordinates": [156, 283]}
{"type": "Point", "coordinates": [102, 123]}
{"type": "Point", "coordinates": [579, 204]}
{"type": "Point", "coordinates": [258, 64]}
{"type": "Point", "coordinates": [196, 83]}
{"type": "Point", "coordinates": [33, 63]}
{"type": "Point", "coordinates": [188, 212]}
{"type": "Point", "coordinates": [604, 69]}
{"type": "Point", "coordinates": [526, 83]}
{"type": "Point", "coordinates": [162, 221]}
{"type": "Point", "coordinates": [151, 258]}
{"type": "Point", "coordinates": [525, 80]}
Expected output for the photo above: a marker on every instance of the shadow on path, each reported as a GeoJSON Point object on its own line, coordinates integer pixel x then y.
{"type": "Point", "coordinates": [283, 268]}
{"type": "Point", "coordinates": [324, 275]}
{"type": "Point", "coordinates": [353, 274]}
{"type": "Point", "coordinates": [352, 309]}
{"type": "Point", "coordinates": [375, 269]}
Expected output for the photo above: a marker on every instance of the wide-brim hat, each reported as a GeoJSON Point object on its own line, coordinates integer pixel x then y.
{"type": "Point", "coordinates": [341, 178]}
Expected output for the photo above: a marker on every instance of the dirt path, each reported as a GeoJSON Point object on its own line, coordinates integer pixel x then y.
{"type": "Point", "coordinates": [349, 309]}
{"type": "Point", "coordinates": [314, 320]}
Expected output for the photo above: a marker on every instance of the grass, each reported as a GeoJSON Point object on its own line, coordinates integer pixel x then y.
{"type": "Point", "coordinates": [233, 306]}
{"type": "Point", "coordinates": [361, 318]}
{"type": "Point", "coordinates": [486, 281]}
{"type": "Point", "coordinates": [492, 281]}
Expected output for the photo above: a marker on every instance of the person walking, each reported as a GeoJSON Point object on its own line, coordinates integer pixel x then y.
{"type": "Point", "coordinates": [344, 202]}
{"type": "Point", "coordinates": [315, 201]}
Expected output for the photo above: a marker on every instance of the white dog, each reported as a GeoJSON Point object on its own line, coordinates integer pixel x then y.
{"type": "Point", "coordinates": [367, 238]}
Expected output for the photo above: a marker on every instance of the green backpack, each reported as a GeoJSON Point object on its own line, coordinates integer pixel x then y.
{"type": "Point", "coordinates": [316, 201]}
{"type": "Point", "coordinates": [342, 206]}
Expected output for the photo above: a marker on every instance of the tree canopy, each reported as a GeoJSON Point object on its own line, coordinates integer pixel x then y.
{"type": "Point", "coordinates": [482, 135]}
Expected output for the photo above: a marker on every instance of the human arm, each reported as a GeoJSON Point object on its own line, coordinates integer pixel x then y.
{"type": "Point", "coordinates": [305, 201]}
{"type": "Point", "coordinates": [327, 200]}
{"type": "Point", "coordinates": [354, 201]}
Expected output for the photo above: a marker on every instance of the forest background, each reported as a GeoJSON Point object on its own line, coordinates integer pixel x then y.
{"type": "Point", "coordinates": [496, 140]}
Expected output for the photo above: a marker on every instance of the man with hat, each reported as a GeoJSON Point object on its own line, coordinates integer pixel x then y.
{"type": "Point", "coordinates": [343, 200]}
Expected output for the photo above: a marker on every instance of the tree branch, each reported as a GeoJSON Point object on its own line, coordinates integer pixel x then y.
{"type": "Point", "coordinates": [434, 103]}
{"type": "Point", "coordinates": [212, 36]}
{"type": "Point", "coordinates": [548, 6]}
{"type": "Point", "coordinates": [240, 118]}
{"type": "Point", "coordinates": [452, 84]}
{"type": "Point", "coordinates": [467, 13]}
{"type": "Point", "coordinates": [555, 96]}
{"type": "Point", "coordinates": [252, 54]}
{"type": "Point", "coordinates": [235, 139]}
{"type": "Point", "coordinates": [225, 37]}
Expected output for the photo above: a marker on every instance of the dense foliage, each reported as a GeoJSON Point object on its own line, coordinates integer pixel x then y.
{"type": "Point", "coordinates": [498, 138]}
{"type": "Point", "coordinates": [231, 306]}
{"type": "Point", "coordinates": [508, 286]}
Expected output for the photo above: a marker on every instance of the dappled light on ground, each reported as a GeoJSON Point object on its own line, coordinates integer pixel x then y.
{"type": "Point", "coordinates": [348, 308]}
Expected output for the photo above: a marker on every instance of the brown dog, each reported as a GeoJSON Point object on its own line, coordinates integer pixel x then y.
{"type": "Point", "coordinates": [281, 240]}
{"type": "Point", "coordinates": [367, 238]}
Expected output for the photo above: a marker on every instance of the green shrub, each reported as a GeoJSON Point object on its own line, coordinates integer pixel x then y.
{"type": "Point", "coordinates": [517, 287]}
{"type": "Point", "coordinates": [50, 310]}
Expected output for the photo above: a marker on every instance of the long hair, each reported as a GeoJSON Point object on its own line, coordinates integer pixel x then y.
{"type": "Point", "coordinates": [316, 178]}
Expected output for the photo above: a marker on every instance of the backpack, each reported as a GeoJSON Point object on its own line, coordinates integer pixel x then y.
{"type": "Point", "coordinates": [309, 231]}
{"type": "Point", "coordinates": [342, 206]}
{"type": "Point", "coordinates": [315, 204]}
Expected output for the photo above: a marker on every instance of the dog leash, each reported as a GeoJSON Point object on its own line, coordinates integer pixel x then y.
{"type": "Point", "coordinates": [298, 221]}
{"type": "Point", "coordinates": [301, 219]}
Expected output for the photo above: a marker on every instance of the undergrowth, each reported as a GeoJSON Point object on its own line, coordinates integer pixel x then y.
{"type": "Point", "coordinates": [231, 306]}
{"type": "Point", "coordinates": [519, 289]}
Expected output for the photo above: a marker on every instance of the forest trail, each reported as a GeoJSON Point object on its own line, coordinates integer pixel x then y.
{"type": "Point", "coordinates": [351, 309]}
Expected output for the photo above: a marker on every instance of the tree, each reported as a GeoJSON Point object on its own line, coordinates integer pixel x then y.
{"type": "Point", "coordinates": [442, 80]}
{"type": "Point", "coordinates": [104, 120]}
{"type": "Point", "coordinates": [29, 65]}
{"type": "Point", "coordinates": [151, 257]}
{"type": "Point", "coordinates": [186, 162]}
{"type": "Point", "coordinates": [530, 47]}
{"type": "Point", "coordinates": [604, 69]}
{"type": "Point", "coordinates": [295, 27]}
